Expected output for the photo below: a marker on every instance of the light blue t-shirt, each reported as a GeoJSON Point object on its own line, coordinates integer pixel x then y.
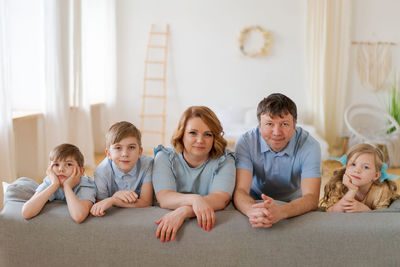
{"type": "Point", "coordinates": [278, 174]}
{"type": "Point", "coordinates": [109, 179]}
{"type": "Point", "coordinates": [85, 190]}
{"type": "Point", "coordinates": [171, 172]}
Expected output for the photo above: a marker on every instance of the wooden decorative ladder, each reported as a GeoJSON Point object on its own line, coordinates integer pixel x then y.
{"type": "Point", "coordinates": [153, 113]}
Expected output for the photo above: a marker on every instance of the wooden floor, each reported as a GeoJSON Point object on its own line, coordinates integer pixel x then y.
{"type": "Point", "coordinates": [327, 170]}
{"type": "Point", "coordinates": [98, 158]}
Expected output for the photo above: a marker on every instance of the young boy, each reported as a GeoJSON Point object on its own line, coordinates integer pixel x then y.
{"type": "Point", "coordinates": [123, 178]}
{"type": "Point", "coordinates": [65, 181]}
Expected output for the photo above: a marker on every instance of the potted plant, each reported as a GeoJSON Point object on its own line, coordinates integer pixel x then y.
{"type": "Point", "coordinates": [394, 102]}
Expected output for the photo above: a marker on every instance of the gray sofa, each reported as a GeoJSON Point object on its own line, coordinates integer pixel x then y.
{"type": "Point", "coordinates": [126, 237]}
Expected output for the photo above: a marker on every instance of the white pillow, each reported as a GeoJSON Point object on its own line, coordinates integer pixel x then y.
{"type": "Point", "coordinates": [5, 185]}
{"type": "Point", "coordinates": [229, 115]}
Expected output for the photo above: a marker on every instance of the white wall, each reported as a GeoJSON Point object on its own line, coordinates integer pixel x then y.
{"type": "Point", "coordinates": [26, 135]}
{"type": "Point", "coordinates": [205, 64]}
{"type": "Point", "coordinates": [373, 21]}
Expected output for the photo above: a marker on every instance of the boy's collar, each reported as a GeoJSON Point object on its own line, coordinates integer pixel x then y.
{"type": "Point", "coordinates": [120, 173]}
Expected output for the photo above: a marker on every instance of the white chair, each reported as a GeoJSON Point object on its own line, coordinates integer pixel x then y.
{"type": "Point", "coordinates": [370, 123]}
{"type": "Point", "coordinates": [373, 125]}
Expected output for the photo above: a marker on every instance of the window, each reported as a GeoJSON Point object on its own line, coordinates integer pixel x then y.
{"type": "Point", "coordinates": [25, 48]}
{"type": "Point", "coordinates": [97, 47]}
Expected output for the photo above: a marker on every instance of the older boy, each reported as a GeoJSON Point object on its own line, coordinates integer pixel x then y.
{"type": "Point", "coordinates": [123, 178]}
{"type": "Point", "coordinates": [65, 181]}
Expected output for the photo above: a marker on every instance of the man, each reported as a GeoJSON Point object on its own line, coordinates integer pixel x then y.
{"type": "Point", "coordinates": [276, 160]}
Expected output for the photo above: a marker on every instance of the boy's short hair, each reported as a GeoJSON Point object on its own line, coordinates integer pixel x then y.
{"type": "Point", "coordinates": [65, 151]}
{"type": "Point", "coordinates": [121, 130]}
{"type": "Point", "coordinates": [277, 105]}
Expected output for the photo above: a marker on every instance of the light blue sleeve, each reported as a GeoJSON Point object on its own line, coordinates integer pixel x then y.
{"type": "Point", "coordinates": [311, 160]}
{"type": "Point", "coordinates": [46, 183]}
{"type": "Point", "coordinates": [86, 189]}
{"type": "Point", "coordinates": [148, 169]}
{"type": "Point", "coordinates": [242, 154]}
{"type": "Point", "coordinates": [163, 177]}
{"type": "Point", "coordinates": [101, 180]}
{"type": "Point", "coordinates": [225, 178]}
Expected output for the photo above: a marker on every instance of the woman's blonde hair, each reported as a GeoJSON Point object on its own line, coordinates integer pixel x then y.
{"type": "Point", "coordinates": [334, 189]}
{"type": "Point", "coordinates": [209, 118]}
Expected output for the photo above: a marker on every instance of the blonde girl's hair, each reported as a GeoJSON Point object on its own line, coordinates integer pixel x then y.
{"type": "Point", "coordinates": [209, 118]}
{"type": "Point", "coordinates": [335, 189]}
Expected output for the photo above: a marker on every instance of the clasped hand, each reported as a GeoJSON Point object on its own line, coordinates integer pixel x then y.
{"type": "Point", "coordinates": [352, 205]}
{"type": "Point", "coordinates": [264, 214]}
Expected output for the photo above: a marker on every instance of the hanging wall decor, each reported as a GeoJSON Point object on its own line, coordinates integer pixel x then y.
{"type": "Point", "coordinates": [374, 63]}
{"type": "Point", "coordinates": [254, 41]}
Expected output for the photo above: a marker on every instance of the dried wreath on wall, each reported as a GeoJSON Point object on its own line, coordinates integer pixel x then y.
{"type": "Point", "coordinates": [261, 44]}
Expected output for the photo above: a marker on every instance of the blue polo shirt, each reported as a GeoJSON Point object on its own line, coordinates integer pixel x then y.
{"type": "Point", "coordinates": [109, 179]}
{"type": "Point", "coordinates": [278, 174]}
{"type": "Point", "coordinates": [85, 190]}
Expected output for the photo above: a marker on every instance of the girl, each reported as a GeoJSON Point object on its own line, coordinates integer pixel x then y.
{"type": "Point", "coordinates": [362, 184]}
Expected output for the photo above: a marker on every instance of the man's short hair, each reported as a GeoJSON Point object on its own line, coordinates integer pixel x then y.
{"type": "Point", "coordinates": [121, 130]}
{"type": "Point", "coordinates": [277, 105]}
{"type": "Point", "coordinates": [65, 151]}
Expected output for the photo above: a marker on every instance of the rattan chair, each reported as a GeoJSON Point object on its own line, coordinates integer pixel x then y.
{"type": "Point", "coordinates": [372, 125]}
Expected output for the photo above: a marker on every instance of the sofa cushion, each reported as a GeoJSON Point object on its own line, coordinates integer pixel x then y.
{"type": "Point", "coordinates": [20, 190]}
{"type": "Point", "coordinates": [394, 207]}
{"type": "Point", "coordinates": [126, 237]}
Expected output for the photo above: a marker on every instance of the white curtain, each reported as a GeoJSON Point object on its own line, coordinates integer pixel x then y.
{"type": "Point", "coordinates": [328, 46]}
{"type": "Point", "coordinates": [110, 115]}
{"type": "Point", "coordinates": [7, 160]}
{"type": "Point", "coordinates": [99, 64]}
{"type": "Point", "coordinates": [64, 74]}
{"type": "Point", "coordinates": [56, 103]}
{"type": "Point", "coordinates": [81, 122]}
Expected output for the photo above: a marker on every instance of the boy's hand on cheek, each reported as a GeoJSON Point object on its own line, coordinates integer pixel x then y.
{"type": "Point", "coordinates": [74, 179]}
{"type": "Point", "coordinates": [52, 176]}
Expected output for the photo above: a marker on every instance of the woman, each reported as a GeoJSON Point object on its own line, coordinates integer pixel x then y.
{"type": "Point", "coordinates": [196, 176]}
